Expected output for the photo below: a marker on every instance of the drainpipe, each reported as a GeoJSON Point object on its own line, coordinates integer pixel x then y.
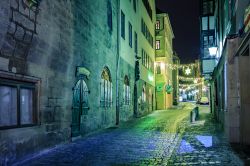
{"type": "Point", "coordinates": [118, 63]}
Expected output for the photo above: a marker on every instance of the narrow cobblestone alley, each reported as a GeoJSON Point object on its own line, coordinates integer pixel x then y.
{"type": "Point", "coordinates": [148, 140]}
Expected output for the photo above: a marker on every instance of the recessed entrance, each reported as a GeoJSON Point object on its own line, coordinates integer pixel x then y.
{"type": "Point", "coordinates": [80, 106]}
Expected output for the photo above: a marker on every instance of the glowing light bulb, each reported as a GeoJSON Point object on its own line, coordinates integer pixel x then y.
{"type": "Point", "coordinates": [188, 71]}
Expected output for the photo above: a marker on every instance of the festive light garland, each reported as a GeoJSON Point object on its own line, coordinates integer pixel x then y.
{"type": "Point", "coordinates": [189, 78]}
{"type": "Point", "coordinates": [181, 66]}
{"type": "Point", "coordinates": [190, 85]}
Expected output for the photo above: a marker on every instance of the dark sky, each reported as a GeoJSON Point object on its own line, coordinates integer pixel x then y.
{"type": "Point", "coordinates": [184, 17]}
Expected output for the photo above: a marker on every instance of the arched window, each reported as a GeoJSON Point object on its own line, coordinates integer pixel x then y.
{"type": "Point", "coordinates": [126, 91]}
{"type": "Point", "coordinates": [106, 88]}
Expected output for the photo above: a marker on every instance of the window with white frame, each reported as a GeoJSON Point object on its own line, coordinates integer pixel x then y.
{"type": "Point", "coordinates": [157, 25]}
{"type": "Point", "coordinates": [143, 96]}
{"type": "Point", "coordinates": [126, 91]}
{"type": "Point", "coordinates": [17, 104]}
{"type": "Point", "coordinates": [106, 88]}
{"type": "Point", "coordinates": [157, 44]}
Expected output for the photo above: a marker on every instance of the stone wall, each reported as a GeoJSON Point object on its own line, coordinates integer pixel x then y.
{"type": "Point", "coordinates": [48, 42]}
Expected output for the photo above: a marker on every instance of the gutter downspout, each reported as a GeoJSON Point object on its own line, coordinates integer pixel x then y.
{"type": "Point", "coordinates": [118, 63]}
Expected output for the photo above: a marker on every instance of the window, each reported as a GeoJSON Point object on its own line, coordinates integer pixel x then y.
{"type": "Point", "coordinates": [158, 68]}
{"type": "Point", "coordinates": [204, 23]}
{"type": "Point", "coordinates": [157, 25]}
{"type": "Point", "coordinates": [211, 22]}
{"type": "Point", "coordinates": [147, 61]}
{"type": "Point", "coordinates": [143, 96]}
{"type": "Point", "coordinates": [208, 7]}
{"type": "Point", "coordinates": [211, 40]}
{"type": "Point", "coordinates": [106, 88]}
{"type": "Point", "coordinates": [145, 31]}
{"type": "Point", "coordinates": [205, 41]}
{"type": "Point", "coordinates": [148, 8]}
{"type": "Point", "coordinates": [109, 13]}
{"type": "Point", "coordinates": [157, 44]}
{"type": "Point", "coordinates": [126, 91]}
{"type": "Point", "coordinates": [17, 104]}
{"type": "Point", "coordinates": [130, 34]}
{"type": "Point", "coordinates": [122, 25]}
{"type": "Point", "coordinates": [134, 5]}
{"type": "Point", "coordinates": [136, 47]}
{"type": "Point", "coordinates": [143, 57]}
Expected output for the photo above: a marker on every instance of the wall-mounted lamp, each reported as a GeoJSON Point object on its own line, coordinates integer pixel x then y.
{"type": "Point", "coordinates": [212, 50]}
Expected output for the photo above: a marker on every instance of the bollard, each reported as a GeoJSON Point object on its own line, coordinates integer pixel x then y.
{"type": "Point", "coordinates": [197, 113]}
{"type": "Point", "coordinates": [191, 116]}
{"type": "Point", "coordinates": [194, 116]}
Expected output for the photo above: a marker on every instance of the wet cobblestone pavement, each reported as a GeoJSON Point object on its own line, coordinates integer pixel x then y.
{"type": "Point", "coordinates": [144, 141]}
{"type": "Point", "coordinates": [151, 140]}
{"type": "Point", "coordinates": [203, 143]}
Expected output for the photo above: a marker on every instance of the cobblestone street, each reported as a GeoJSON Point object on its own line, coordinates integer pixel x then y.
{"type": "Point", "coordinates": [203, 143]}
{"type": "Point", "coordinates": [148, 140]}
{"type": "Point", "coordinates": [143, 140]}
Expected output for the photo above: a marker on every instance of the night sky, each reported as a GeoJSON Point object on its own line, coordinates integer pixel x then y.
{"type": "Point", "coordinates": [184, 17]}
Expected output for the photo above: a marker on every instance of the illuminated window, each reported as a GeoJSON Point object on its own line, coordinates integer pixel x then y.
{"type": "Point", "coordinates": [143, 96]}
{"type": "Point", "coordinates": [17, 104]}
{"type": "Point", "coordinates": [204, 23]}
{"type": "Point", "coordinates": [126, 91]}
{"type": "Point", "coordinates": [157, 25]}
{"type": "Point", "coordinates": [157, 44]}
{"type": "Point", "coordinates": [211, 22]}
{"type": "Point", "coordinates": [106, 88]}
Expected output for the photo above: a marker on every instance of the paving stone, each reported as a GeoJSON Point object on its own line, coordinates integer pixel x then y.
{"type": "Point", "coordinates": [141, 142]}
{"type": "Point", "coordinates": [204, 144]}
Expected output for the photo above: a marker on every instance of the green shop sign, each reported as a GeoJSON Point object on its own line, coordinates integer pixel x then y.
{"type": "Point", "coordinates": [169, 89]}
{"type": "Point", "coordinates": [159, 87]}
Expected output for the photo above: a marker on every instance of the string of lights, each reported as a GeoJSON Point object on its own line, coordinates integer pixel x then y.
{"type": "Point", "coordinates": [189, 78]}
{"type": "Point", "coordinates": [181, 66]}
{"type": "Point", "coordinates": [190, 85]}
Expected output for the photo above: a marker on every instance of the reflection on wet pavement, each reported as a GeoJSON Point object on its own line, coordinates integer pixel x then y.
{"type": "Point", "coordinates": [207, 141]}
{"type": "Point", "coordinates": [185, 147]}
{"type": "Point", "coordinates": [204, 144]}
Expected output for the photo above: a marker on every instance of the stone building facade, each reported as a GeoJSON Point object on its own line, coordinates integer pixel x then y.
{"type": "Point", "coordinates": [66, 69]}
{"type": "Point", "coordinates": [58, 72]}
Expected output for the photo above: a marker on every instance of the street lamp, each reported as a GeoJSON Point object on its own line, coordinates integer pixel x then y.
{"type": "Point", "coordinates": [212, 50]}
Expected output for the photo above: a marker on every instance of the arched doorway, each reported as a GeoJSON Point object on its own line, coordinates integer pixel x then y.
{"type": "Point", "coordinates": [80, 106]}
